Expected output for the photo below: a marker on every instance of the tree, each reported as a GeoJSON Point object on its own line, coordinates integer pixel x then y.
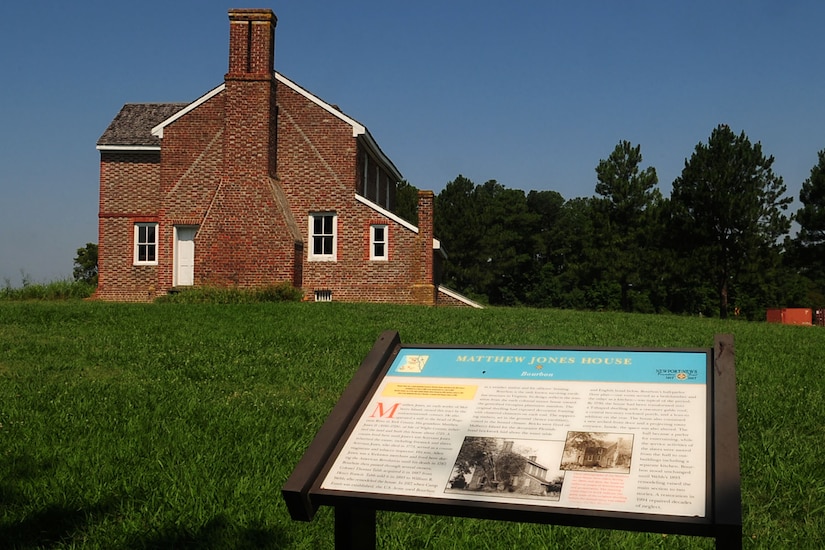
{"type": "Point", "coordinates": [543, 288]}
{"type": "Point", "coordinates": [495, 458]}
{"type": "Point", "coordinates": [457, 225]}
{"type": "Point", "coordinates": [85, 264]}
{"type": "Point", "coordinates": [489, 235]}
{"type": "Point", "coordinates": [808, 247]}
{"type": "Point", "coordinates": [406, 202]}
{"type": "Point", "coordinates": [626, 224]}
{"type": "Point", "coordinates": [507, 244]}
{"type": "Point", "coordinates": [574, 259]}
{"type": "Point", "coordinates": [728, 210]}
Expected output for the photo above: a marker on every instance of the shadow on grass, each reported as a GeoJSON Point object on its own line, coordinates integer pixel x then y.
{"type": "Point", "coordinates": [48, 527]}
{"type": "Point", "coordinates": [39, 526]}
{"type": "Point", "coordinates": [218, 534]}
{"type": "Point", "coordinates": [26, 526]}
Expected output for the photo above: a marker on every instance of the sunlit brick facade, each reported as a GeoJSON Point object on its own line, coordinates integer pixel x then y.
{"type": "Point", "coordinates": [257, 182]}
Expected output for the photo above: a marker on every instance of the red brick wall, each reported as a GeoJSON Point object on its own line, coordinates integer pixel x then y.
{"type": "Point", "coordinates": [129, 182]}
{"type": "Point", "coordinates": [129, 186]}
{"type": "Point", "coordinates": [245, 239]}
{"type": "Point", "coordinates": [321, 168]}
{"type": "Point", "coordinates": [190, 177]}
{"type": "Point", "coordinates": [381, 194]}
{"type": "Point", "coordinates": [224, 166]}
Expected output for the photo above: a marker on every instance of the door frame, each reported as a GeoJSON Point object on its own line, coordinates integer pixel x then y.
{"type": "Point", "coordinates": [176, 251]}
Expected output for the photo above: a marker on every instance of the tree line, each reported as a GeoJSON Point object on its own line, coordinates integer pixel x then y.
{"type": "Point", "coordinates": [719, 245]}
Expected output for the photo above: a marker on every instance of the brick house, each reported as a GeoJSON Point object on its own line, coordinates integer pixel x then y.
{"type": "Point", "coordinates": [257, 182]}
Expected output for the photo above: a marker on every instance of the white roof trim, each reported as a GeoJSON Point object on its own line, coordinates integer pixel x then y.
{"type": "Point", "coordinates": [357, 128]}
{"type": "Point", "coordinates": [456, 296]}
{"type": "Point", "coordinates": [371, 144]}
{"type": "Point", "coordinates": [128, 147]}
{"type": "Point", "coordinates": [387, 213]}
{"type": "Point", "coordinates": [394, 217]}
{"type": "Point", "coordinates": [158, 130]}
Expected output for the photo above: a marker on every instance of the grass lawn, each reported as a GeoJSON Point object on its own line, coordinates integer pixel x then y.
{"type": "Point", "coordinates": [174, 425]}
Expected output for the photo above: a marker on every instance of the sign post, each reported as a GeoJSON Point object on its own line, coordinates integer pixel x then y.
{"type": "Point", "coordinates": [632, 439]}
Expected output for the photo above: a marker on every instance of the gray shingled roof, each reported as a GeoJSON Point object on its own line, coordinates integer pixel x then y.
{"type": "Point", "coordinates": [133, 124]}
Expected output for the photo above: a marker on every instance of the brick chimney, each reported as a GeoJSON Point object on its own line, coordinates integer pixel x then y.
{"type": "Point", "coordinates": [250, 139]}
{"type": "Point", "coordinates": [424, 288]}
{"type": "Point", "coordinates": [246, 233]}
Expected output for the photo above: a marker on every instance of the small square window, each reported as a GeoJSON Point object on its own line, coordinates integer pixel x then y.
{"type": "Point", "coordinates": [146, 244]}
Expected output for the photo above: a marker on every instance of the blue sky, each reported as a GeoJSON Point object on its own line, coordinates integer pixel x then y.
{"type": "Point", "coordinates": [530, 93]}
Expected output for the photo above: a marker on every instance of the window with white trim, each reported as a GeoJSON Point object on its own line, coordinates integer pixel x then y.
{"type": "Point", "coordinates": [378, 242]}
{"type": "Point", "coordinates": [146, 243]}
{"type": "Point", "coordinates": [322, 236]}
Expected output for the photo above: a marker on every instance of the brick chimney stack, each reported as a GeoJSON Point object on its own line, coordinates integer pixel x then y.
{"type": "Point", "coordinates": [424, 289]}
{"type": "Point", "coordinates": [250, 144]}
{"type": "Point", "coordinates": [246, 235]}
{"type": "Point", "coordinates": [251, 43]}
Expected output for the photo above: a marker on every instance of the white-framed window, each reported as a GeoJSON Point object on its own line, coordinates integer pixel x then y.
{"type": "Point", "coordinates": [378, 242]}
{"type": "Point", "coordinates": [146, 243]}
{"type": "Point", "coordinates": [322, 236]}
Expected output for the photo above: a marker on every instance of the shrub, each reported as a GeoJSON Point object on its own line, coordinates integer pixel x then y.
{"type": "Point", "coordinates": [56, 290]}
{"type": "Point", "coordinates": [282, 292]}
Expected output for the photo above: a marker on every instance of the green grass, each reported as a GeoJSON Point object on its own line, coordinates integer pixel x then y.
{"type": "Point", "coordinates": [175, 425]}
{"type": "Point", "coordinates": [283, 292]}
{"type": "Point", "coordinates": [57, 290]}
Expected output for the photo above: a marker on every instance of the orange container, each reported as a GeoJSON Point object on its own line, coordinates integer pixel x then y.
{"type": "Point", "coordinates": [790, 316]}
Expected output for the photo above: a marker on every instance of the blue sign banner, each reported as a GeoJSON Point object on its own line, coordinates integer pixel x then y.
{"type": "Point", "coordinates": [677, 367]}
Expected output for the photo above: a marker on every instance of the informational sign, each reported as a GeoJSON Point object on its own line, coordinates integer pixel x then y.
{"type": "Point", "coordinates": [615, 431]}
{"type": "Point", "coordinates": [610, 438]}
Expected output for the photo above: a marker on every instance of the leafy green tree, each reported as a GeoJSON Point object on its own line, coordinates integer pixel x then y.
{"type": "Point", "coordinates": [728, 211]}
{"type": "Point", "coordinates": [458, 225]}
{"type": "Point", "coordinates": [543, 286]}
{"type": "Point", "coordinates": [489, 235]}
{"type": "Point", "coordinates": [808, 247]}
{"type": "Point", "coordinates": [575, 258]}
{"type": "Point", "coordinates": [507, 242]}
{"type": "Point", "coordinates": [406, 202]}
{"type": "Point", "coordinates": [627, 218]}
{"type": "Point", "coordinates": [85, 264]}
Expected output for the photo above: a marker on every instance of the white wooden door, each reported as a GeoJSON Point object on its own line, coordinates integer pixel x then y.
{"type": "Point", "coordinates": [184, 255]}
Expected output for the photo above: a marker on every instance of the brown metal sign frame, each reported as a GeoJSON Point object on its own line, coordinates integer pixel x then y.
{"type": "Point", "coordinates": [355, 511]}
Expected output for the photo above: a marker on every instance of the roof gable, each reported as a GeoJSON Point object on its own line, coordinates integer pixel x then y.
{"type": "Point", "coordinates": [139, 126]}
{"type": "Point", "coordinates": [132, 127]}
{"type": "Point", "coordinates": [158, 129]}
{"type": "Point", "coordinates": [394, 217]}
{"type": "Point", "coordinates": [358, 129]}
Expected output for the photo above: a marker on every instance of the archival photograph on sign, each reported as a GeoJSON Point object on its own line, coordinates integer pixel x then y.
{"type": "Point", "coordinates": [597, 452]}
{"type": "Point", "coordinates": [505, 467]}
